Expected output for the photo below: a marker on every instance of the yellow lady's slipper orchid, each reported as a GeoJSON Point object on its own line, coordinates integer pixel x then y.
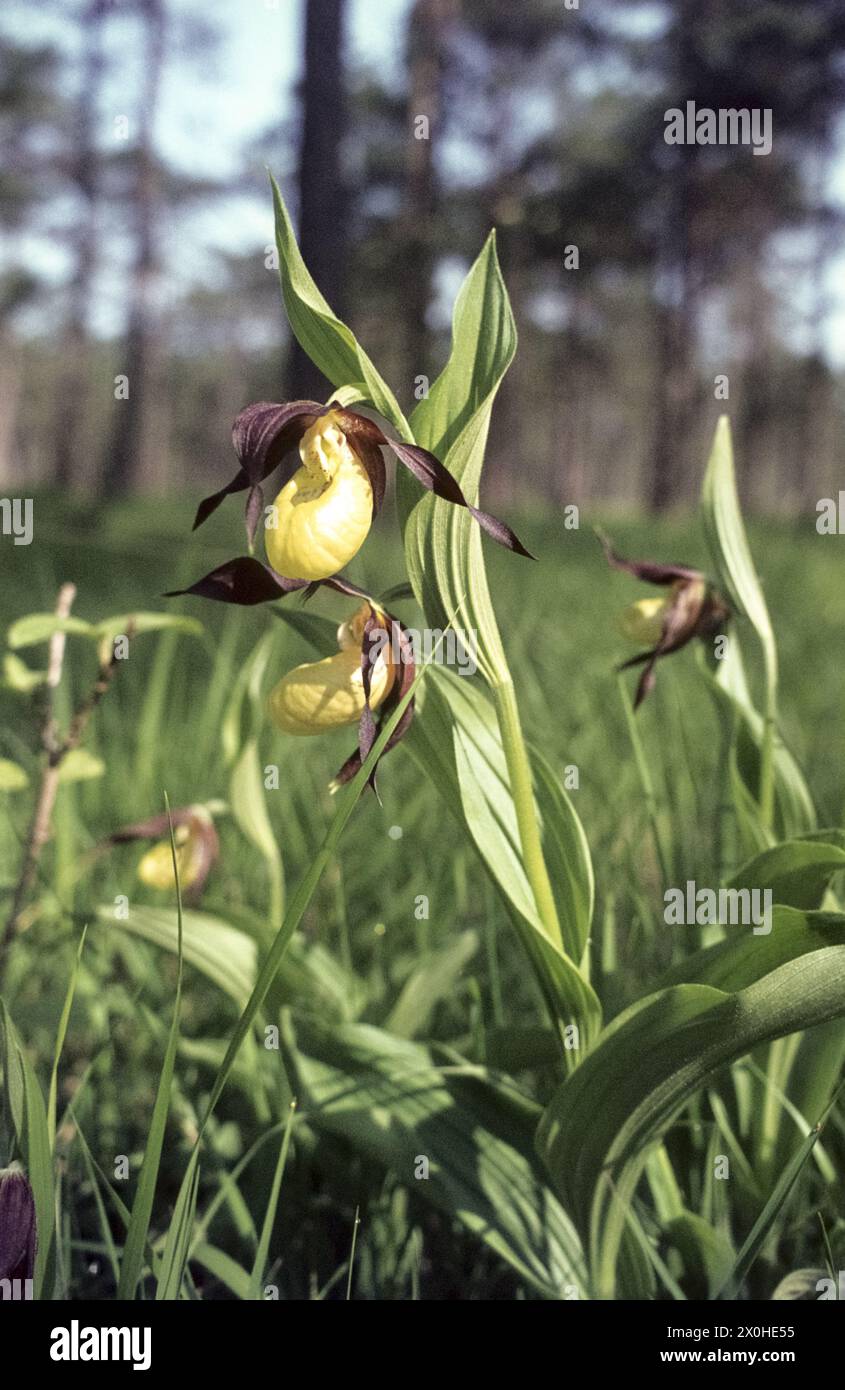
{"type": "Point", "coordinates": [322, 515]}
{"type": "Point", "coordinates": [196, 842]}
{"type": "Point", "coordinates": [156, 866]}
{"type": "Point", "coordinates": [691, 608]}
{"type": "Point", "coordinates": [325, 507]}
{"type": "Point", "coordinates": [328, 694]}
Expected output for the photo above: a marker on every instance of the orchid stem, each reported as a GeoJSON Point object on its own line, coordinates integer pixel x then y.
{"type": "Point", "coordinates": [767, 747]}
{"type": "Point", "coordinates": [522, 791]}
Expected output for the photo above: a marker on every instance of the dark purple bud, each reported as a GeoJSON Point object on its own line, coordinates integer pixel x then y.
{"type": "Point", "coordinates": [17, 1225]}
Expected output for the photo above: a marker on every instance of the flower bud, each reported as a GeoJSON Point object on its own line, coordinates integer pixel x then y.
{"type": "Point", "coordinates": [17, 1225]}
{"type": "Point", "coordinates": [324, 513]}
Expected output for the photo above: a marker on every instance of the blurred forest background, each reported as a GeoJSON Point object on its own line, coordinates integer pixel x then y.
{"type": "Point", "coordinates": [137, 230]}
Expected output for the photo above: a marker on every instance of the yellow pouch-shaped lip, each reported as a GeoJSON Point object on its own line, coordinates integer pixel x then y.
{"type": "Point", "coordinates": [323, 514]}
{"type": "Point", "coordinates": [156, 866]}
{"type": "Point", "coordinates": [642, 622]}
{"type": "Point", "coordinates": [327, 694]}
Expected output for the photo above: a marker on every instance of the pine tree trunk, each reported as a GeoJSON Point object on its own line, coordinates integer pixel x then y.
{"type": "Point", "coordinates": [323, 211]}
{"type": "Point", "coordinates": [128, 461]}
{"type": "Point", "coordinates": [73, 381]}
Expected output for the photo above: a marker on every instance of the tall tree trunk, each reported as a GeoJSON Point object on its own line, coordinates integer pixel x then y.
{"type": "Point", "coordinates": [323, 211]}
{"type": "Point", "coordinates": [427, 31]}
{"type": "Point", "coordinates": [71, 392]}
{"type": "Point", "coordinates": [128, 459]}
{"type": "Point", "coordinates": [675, 300]}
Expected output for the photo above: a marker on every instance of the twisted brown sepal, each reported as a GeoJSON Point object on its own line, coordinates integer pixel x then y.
{"type": "Point", "coordinates": [651, 572]}
{"type": "Point", "coordinates": [247, 581]}
{"type": "Point", "coordinates": [262, 435]}
{"type": "Point", "coordinates": [244, 580]}
{"type": "Point", "coordinates": [429, 471]}
{"type": "Point", "coordinates": [369, 724]}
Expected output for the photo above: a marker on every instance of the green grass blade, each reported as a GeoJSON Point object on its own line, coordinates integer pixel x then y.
{"type": "Point", "coordinates": [759, 1232]}
{"type": "Point", "coordinates": [29, 1117]}
{"type": "Point", "coordinates": [174, 1257]}
{"type": "Point", "coordinates": [139, 1223]}
{"type": "Point", "coordinates": [260, 1262]}
{"type": "Point", "coordinates": [60, 1041]}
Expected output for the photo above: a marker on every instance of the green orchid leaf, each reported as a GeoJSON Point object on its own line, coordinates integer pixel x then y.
{"type": "Point", "coordinates": [225, 955]}
{"type": "Point", "coordinates": [596, 1133]}
{"type": "Point", "coordinates": [249, 808]}
{"type": "Point", "coordinates": [330, 344]}
{"type": "Point", "coordinates": [432, 980]}
{"type": "Point", "coordinates": [443, 545]}
{"type": "Point", "coordinates": [794, 810]}
{"type": "Point", "coordinates": [796, 872]}
{"type": "Point", "coordinates": [737, 576]}
{"type": "Point", "coordinates": [456, 742]}
{"type": "Point", "coordinates": [12, 777]}
{"type": "Point", "coordinates": [392, 1102]}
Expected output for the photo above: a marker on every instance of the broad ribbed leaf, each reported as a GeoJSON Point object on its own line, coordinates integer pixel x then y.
{"type": "Point", "coordinates": [443, 545]}
{"type": "Point", "coordinates": [246, 797]}
{"type": "Point", "coordinates": [225, 955]}
{"type": "Point", "coordinates": [726, 537]}
{"type": "Point", "coordinates": [795, 813]}
{"type": "Point", "coordinates": [728, 545]}
{"type": "Point", "coordinates": [743, 958]}
{"type": "Point", "coordinates": [596, 1131]}
{"type": "Point", "coordinates": [332, 347]}
{"type": "Point", "coordinates": [455, 740]}
{"type": "Point", "coordinates": [432, 980]}
{"type": "Point", "coordinates": [388, 1098]}
{"type": "Point", "coordinates": [796, 872]}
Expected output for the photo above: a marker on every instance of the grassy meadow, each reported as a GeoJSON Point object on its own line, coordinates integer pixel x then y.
{"type": "Point", "coordinates": [453, 980]}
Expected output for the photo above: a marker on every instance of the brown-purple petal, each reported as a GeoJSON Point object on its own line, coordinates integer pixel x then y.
{"type": "Point", "coordinates": [18, 1229]}
{"type": "Point", "coordinates": [429, 471]}
{"type": "Point", "coordinates": [265, 431]}
{"type": "Point", "coordinates": [646, 569]}
{"type": "Point", "coordinates": [244, 580]}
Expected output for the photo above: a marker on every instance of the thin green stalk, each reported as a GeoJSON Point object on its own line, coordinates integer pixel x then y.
{"type": "Point", "coordinates": [352, 1253]}
{"type": "Point", "coordinates": [522, 791]}
{"type": "Point", "coordinates": [767, 747]}
{"type": "Point", "coordinates": [645, 782]}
